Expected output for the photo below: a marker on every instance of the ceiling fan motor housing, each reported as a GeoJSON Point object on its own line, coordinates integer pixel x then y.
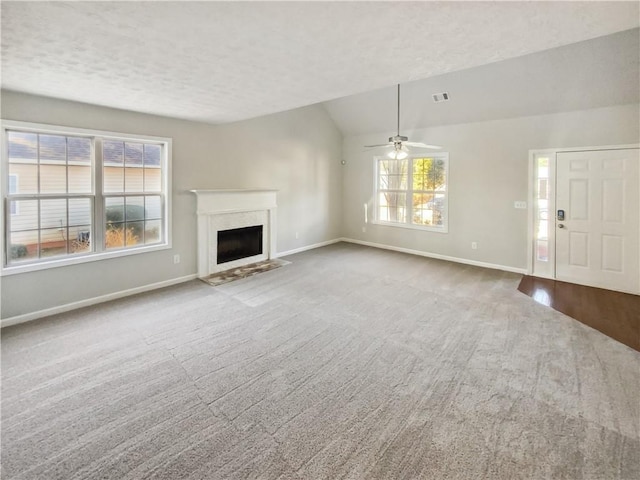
{"type": "Point", "coordinates": [398, 138]}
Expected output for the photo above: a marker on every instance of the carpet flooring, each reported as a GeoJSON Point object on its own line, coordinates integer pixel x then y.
{"type": "Point", "coordinates": [351, 362]}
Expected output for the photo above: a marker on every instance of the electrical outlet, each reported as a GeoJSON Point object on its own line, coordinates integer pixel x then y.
{"type": "Point", "coordinates": [176, 258]}
{"type": "Point", "coordinates": [364, 229]}
{"type": "Point", "coordinates": [474, 245]}
{"type": "Point", "coordinates": [297, 235]}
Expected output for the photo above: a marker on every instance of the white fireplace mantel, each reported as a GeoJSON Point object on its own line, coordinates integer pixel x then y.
{"type": "Point", "coordinates": [225, 209]}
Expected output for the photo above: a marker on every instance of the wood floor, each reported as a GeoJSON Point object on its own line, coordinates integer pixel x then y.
{"type": "Point", "coordinates": [615, 314]}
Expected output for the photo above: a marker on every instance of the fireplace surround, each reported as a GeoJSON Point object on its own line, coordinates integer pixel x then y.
{"type": "Point", "coordinates": [223, 210]}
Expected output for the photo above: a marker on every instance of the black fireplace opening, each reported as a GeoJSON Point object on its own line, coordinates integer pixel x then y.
{"type": "Point", "coordinates": [239, 243]}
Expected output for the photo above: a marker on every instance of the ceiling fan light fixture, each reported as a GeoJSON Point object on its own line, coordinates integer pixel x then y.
{"type": "Point", "coordinates": [398, 154]}
{"type": "Point", "coordinates": [400, 142]}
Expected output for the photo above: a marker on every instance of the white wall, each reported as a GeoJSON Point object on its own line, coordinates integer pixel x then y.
{"type": "Point", "coordinates": [488, 171]}
{"type": "Point", "coordinates": [296, 152]}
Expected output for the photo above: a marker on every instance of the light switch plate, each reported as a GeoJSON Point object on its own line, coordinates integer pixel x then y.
{"type": "Point", "coordinates": [520, 204]}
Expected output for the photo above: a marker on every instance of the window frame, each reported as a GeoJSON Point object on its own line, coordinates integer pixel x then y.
{"type": "Point", "coordinates": [409, 193]}
{"type": "Point", "coordinates": [97, 195]}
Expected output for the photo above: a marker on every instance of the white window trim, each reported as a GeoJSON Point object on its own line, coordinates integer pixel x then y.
{"type": "Point", "coordinates": [94, 256]}
{"type": "Point", "coordinates": [411, 226]}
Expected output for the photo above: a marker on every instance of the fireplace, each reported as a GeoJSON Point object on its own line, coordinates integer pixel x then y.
{"type": "Point", "coordinates": [238, 243]}
{"type": "Point", "coordinates": [239, 213]}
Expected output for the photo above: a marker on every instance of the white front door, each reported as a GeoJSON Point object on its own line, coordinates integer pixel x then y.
{"type": "Point", "coordinates": [598, 240]}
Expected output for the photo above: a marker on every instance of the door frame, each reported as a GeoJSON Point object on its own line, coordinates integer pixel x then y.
{"type": "Point", "coordinates": [550, 153]}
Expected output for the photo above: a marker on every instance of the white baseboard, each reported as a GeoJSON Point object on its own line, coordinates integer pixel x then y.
{"type": "Point", "coordinates": [308, 247]}
{"type": "Point", "coordinates": [494, 266]}
{"type": "Point", "coordinates": [27, 317]}
{"type": "Point", "coordinates": [145, 288]}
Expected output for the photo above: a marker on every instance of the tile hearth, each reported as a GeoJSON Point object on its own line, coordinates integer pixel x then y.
{"type": "Point", "coordinates": [243, 272]}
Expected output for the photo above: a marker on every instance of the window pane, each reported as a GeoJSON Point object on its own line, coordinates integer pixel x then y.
{"type": "Point", "coordinates": [543, 167]}
{"type": "Point", "coordinates": [23, 246]}
{"type": "Point", "coordinates": [26, 177]}
{"type": "Point", "coordinates": [79, 150]}
{"type": "Point", "coordinates": [113, 179]}
{"type": "Point", "coordinates": [13, 184]}
{"type": "Point", "coordinates": [133, 179]}
{"type": "Point", "coordinates": [23, 147]}
{"type": "Point", "coordinates": [423, 209]}
{"type": "Point", "coordinates": [429, 174]}
{"type": "Point", "coordinates": [53, 213]}
{"type": "Point", "coordinates": [53, 242]}
{"type": "Point", "coordinates": [135, 209]}
{"type": "Point", "coordinates": [542, 250]}
{"type": "Point", "coordinates": [133, 154]}
{"type": "Point", "coordinates": [80, 239]}
{"type": "Point", "coordinates": [396, 172]}
{"type": "Point", "coordinates": [134, 233]}
{"type": "Point", "coordinates": [79, 179]}
{"type": "Point", "coordinates": [153, 207]}
{"type": "Point", "coordinates": [112, 152]}
{"type": "Point", "coordinates": [114, 210]}
{"type": "Point", "coordinates": [152, 180]}
{"type": "Point", "coordinates": [393, 206]}
{"type": "Point", "coordinates": [437, 205]}
{"type": "Point", "coordinates": [152, 155]}
{"type": "Point", "coordinates": [152, 231]}
{"type": "Point", "coordinates": [114, 236]}
{"type": "Point", "coordinates": [26, 217]}
{"type": "Point", "coordinates": [53, 179]}
{"type": "Point", "coordinates": [53, 149]}
{"type": "Point", "coordinates": [118, 234]}
{"type": "Point", "coordinates": [80, 211]}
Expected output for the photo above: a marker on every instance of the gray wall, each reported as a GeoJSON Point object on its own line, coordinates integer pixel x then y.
{"type": "Point", "coordinates": [296, 152]}
{"type": "Point", "coordinates": [488, 171]}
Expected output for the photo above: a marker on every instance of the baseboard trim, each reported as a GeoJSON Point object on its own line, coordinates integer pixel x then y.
{"type": "Point", "coordinates": [308, 247]}
{"type": "Point", "coordinates": [27, 317]}
{"type": "Point", "coordinates": [475, 263]}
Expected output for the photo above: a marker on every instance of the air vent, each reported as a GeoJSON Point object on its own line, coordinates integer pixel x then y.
{"type": "Point", "coordinates": [440, 97]}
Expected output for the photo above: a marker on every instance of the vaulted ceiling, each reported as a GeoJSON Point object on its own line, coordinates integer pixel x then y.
{"type": "Point", "coordinates": [595, 73]}
{"type": "Point", "coordinates": [220, 62]}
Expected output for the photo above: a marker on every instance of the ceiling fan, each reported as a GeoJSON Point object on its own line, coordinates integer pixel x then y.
{"type": "Point", "coordinates": [399, 142]}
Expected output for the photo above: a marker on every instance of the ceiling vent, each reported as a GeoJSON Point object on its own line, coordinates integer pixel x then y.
{"type": "Point", "coordinates": [440, 97]}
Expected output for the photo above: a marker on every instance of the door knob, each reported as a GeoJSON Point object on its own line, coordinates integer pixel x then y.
{"type": "Point", "coordinates": [560, 225]}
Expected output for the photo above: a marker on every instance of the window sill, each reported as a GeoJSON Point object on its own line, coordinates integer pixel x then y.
{"type": "Point", "coordinates": [412, 227]}
{"type": "Point", "coordinates": [93, 257]}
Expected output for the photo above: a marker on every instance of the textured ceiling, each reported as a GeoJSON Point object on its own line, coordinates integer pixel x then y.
{"type": "Point", "coordinates": [225, 61]}
{"type": "Point", "coordinates": [591, 74]}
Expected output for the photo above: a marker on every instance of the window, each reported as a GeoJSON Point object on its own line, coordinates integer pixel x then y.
{"type": "Point", "coordinates": [412, 192]}
{"type": "Point", "coordinates": [542, 209]}
{"type": "Point", "coordinates": [82, 194]}
{"type": "Point", "coordinates": [13, 188]}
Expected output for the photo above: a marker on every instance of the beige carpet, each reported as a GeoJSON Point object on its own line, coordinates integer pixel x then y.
{"type": "Point", "coordinates": [350, 363]}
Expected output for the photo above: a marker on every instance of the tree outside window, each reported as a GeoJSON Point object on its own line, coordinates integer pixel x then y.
{"type": "Point", "coordinates": [413, 191]}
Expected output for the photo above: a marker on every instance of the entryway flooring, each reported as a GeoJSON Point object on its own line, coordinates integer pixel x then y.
{"type": "Point", "coordinates": [615, 314]}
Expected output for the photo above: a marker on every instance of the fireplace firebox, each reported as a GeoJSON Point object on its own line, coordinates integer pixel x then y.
{"type": "Point", "coordinates": [238, 243]}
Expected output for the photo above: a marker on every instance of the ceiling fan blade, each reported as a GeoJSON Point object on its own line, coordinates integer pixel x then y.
{"type": "Point", "coordinates": [380, 145]}
{"type": "Point", "coordinates": [421, 145]}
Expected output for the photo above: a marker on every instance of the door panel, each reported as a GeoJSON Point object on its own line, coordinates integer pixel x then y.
{"type": "Point", "coordinates": [598, 242]}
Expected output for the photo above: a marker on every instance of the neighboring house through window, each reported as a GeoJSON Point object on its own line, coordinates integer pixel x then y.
{"type": "Point", "coordinates": [412, 192]}
{"type": "Point", "coordinates": [83, 194]}
{"type": "Point", "coordinates": [13, 188]}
